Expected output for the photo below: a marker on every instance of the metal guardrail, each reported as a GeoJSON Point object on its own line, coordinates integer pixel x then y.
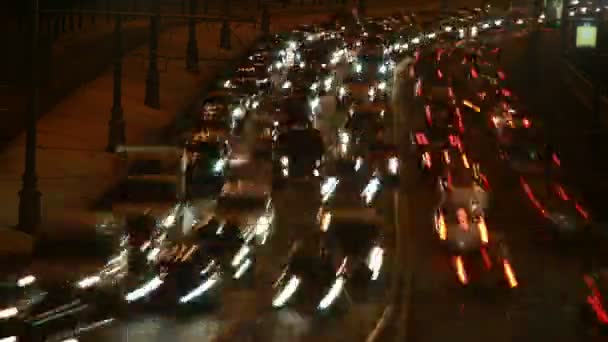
{"type": "Point", "coordinates": [583, 89]}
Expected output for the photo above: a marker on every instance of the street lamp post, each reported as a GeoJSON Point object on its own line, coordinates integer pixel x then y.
{"type": "Point", "coordinates": [192, 49]}
{"type": "Point", "coordinates": [116, 132]}
{"type": "Point", "coordinates": [152, 99]}
{"type": "Point", "coordinates": [265, 21]}
{"type": "Point", "coordinates": [29, 196]}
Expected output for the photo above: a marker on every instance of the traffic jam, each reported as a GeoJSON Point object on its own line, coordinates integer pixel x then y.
{"type": "Point", "coordinates": [311, 124]}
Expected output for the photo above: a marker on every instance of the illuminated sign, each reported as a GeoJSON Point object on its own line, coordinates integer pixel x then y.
{"type": "Point", "coordinates": [586, 36]}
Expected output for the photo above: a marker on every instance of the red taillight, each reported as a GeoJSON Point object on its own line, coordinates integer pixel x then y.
{"type": "Point", "coordinates": [439, 74]}
{"type": "Point", "coordinates": [474, 73]}
{"type": "Point", "coordinates": [556, 160]}
{"type": "Point", "coordinates": [506, 92]}
{"type": "Point", "coordinates": [421, 139]}
{"type": "Point", "coordinates": [526, 123]}
{"type": "Point", "coordinates": [501, 75]}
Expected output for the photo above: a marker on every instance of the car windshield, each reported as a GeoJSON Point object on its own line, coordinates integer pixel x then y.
{"type": "Point", "coordinates": [360, 78]}
{"type": "Point", "coordinates": [208, 148]}
{"type": "Point", "coordinates": [240, 202]}
{"type": "Point", "coordinates": [353, 236]}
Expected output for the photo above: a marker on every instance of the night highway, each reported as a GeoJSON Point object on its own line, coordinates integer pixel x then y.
{"type": "Point", "coordinates": [414, 177]}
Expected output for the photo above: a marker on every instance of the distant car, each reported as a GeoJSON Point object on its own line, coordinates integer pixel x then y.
{"type": "Point", "coordinates": [383, 161]}
{"type": "Point", "coordinates": [361, 128]}
{"type": "Point", "coordinates": [527, 156]}
{"type": "Point", "coordinates": [444, 115]}
{"type": "Point", "coordinates": [309, 281]}
{"type": "Point", "coordinates": [265, 132]}
{"type": "Point", "coordinates": [358, 87]}
{"type": "Point", "coordinates": [563, 211]}
{"type": "Point", "coordinates": [505, 117]}
{"type": "Point", "coordinates": [298, 155]}
{"type": "Point", "coordinates": [435, 148]}
{"type": "Point", "coordinates": [210, 157]}
{"type": "Point", "coordinates": [354, 234]}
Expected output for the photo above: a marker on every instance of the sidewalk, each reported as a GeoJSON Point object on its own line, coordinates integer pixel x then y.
{"type": "Point", "coordinates": [73, 168]}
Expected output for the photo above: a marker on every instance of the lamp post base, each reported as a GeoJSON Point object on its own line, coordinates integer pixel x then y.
{"type": "Point", "coordinates": [29, 208]}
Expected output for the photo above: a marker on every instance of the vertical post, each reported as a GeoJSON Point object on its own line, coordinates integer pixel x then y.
{"type": "Point", "coordinates": [29, 196]}
{"type": "Point", "coordinates": [116, 132]}
{"type": "Point", "coordinates": [153, 78]}
{"type": "Point", "coordinates": [108, 10]}
{"type": "Point", "coordinates": [93, 7]}
{"type": "Point", "coordinates": [265, 21]}
{"type": "Point", "coordinates": [563, 27]}
{"type": "Point", "coordinates": [80, 8]}
{"type": "Point", "coordinates": [71, 22]}
{"type": "Point", "coordinates": [192, 48]}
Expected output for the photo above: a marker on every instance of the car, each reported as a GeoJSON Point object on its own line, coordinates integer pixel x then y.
{"type": "Point", "coordinates": [309, 282]}
{"type": "Point", "coordinates": [383, 161]}
{"type": "Point", "coordinates": [249, 205]}
{"type": "Point", "coordinates": [361, 128]}
{"type": "Point", "coordinates": [354, 234]}
{"type": "Point", "coordinates": [458, 228]}
{"type": "Point", "coordinates": [210, 156]}
{"type": "Point", "coordinates": [434, 149]}
{"type": "Point", "coordinates": [264, 132]}
{"type": "Point", "coordinates": [298, 155]}
{"type": "Point", "coordinates": [563, 211]}
{"type": "Point", "coordinates": [505, 117]}
{"type": "Point", "coordinates": [35, 312]}
{"type": "Point", "coordinates": [223, 106]}
{"type": "Point", "coordinates": [464, 185]}
{"type": "Point", "coordinates": [249, 78]}
{"type": "Point", "coordinates": [443, 115]}
{"type": "Point", "coordinates": [487, 267]}
{"type": "Point", "coordinates": [527, 155]}
{"type": "Point", "coordinates": [593, 304]}
{"type": "Point", "coordinates": [358, 87]}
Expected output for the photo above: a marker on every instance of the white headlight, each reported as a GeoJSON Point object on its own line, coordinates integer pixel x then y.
{"type": "Point", "coordinates": [382, 86]}
{"type": "Point", "coordinates": [382, 69]}
{"type": "Point", "coordinates": [448, 29]}
{"type": "Point", "coordinates": [286, 85]}
{"type": "Point", "coordinates": [358, 67]}
{"type": "Point", "coordinates": [9, 312]}
{"type": "Point", "coordinates": [25, 281]}
{"type": "Point", "coordinates": [284, 161]}
{"type": "Point", "coordinates": [393, 165]}
{"type": "Point", "coordinates": [227, 84]}
{"type": "Point", "coordinates": [88, 282]}
{"type": "Point", "coordinates": [416, 40]}
{"type": "Point", "coordinates": [498, 22]}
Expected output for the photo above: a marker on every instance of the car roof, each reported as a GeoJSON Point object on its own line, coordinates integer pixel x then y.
{"type": "Point", "coordinates": [245, 189]}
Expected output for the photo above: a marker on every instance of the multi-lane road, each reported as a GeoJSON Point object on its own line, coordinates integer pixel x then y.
{"type": "Point", "coordinates": [430, 305]}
